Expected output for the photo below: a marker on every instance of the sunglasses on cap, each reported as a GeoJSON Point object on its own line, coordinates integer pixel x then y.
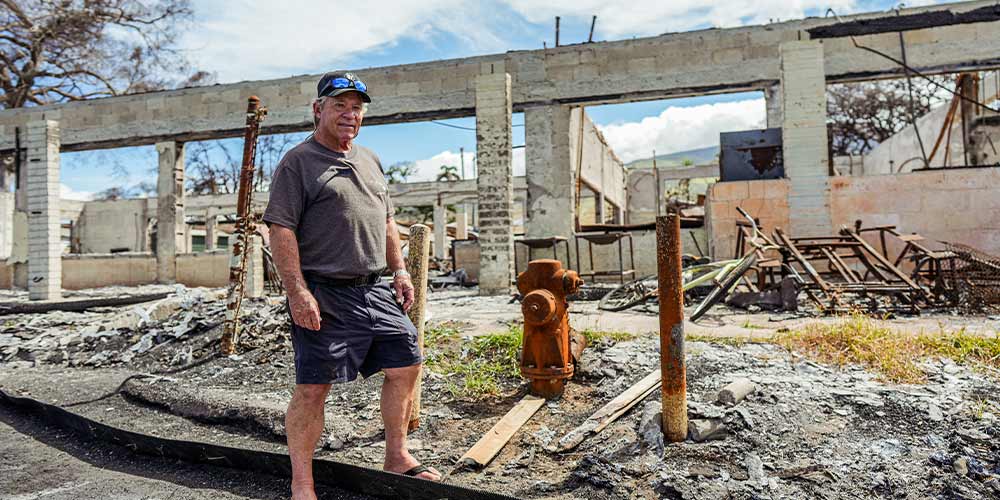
{"type": "Point", "coordinates": [344, 83]}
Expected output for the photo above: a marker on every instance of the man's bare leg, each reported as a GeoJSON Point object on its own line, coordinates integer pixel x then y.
{"type": "Point", "coordinates": [304, 426]}
{"type": "Point", "coordinates": [396, 402]}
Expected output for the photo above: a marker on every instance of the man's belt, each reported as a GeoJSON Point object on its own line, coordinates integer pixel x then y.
{"type": "Point", "coordinates": [366, 280]}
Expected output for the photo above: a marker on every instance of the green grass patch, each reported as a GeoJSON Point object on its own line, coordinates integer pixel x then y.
{"type": "Point", "coordinates": [600, 337]}
{"type": "Point", "coordinates": [730, 341]}
{"type": "Point", "coordinates": [484, 365]}
{"type": "Point", "coordinates": [481, 367]}
{"type": "Point", "coordinates": [893, 355]}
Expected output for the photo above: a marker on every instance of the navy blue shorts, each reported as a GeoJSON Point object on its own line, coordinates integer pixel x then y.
{"type": "Point", "coordinates": [363, 330]}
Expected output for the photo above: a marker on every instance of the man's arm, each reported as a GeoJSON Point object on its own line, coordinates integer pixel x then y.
{"type": "Point", "coordinates": [285, 249]}
{"type": "Point", "coordinates": [394, 258]}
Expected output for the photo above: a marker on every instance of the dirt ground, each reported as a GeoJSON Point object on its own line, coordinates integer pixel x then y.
{"type": "Point", "coordinates": [808, 431]}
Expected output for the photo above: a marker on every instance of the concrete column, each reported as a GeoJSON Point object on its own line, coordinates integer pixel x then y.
{"type": "Point", "coordinates": [6, 224]}
{"type": "Point", "coordinates": [599, 209]}
{"type": "Point", "coordinates": [440, 229]}
{"type": "Point", "coordinates": [44, 245]}
{"type": "Point", "coordinates": [461, 222]}
{"type": "Point", "coordinates": [211, 226]}
{"type": "Point", "coordinates": [805, 150]}
{"type": "Point", "coordinates": [774, 103]}
{"type": "Point", "coordinates": [254, 285]}
{"type": "Point", "coordinates": [550, 169]}
{"type": "Point", "coordinates": [495, 181]}
{"type": "Point", "coordinates": [170, 234]}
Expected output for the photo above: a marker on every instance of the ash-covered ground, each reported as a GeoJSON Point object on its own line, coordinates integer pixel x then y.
{"type": "Point", "coordinates": [807, 431]}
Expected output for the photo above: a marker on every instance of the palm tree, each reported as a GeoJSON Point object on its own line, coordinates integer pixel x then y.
{"type": "Point", "coordinates": [448, 173]}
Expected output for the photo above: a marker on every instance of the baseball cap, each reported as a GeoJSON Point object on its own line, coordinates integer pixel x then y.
{"type": "Point", "coordinates": [336, 83]}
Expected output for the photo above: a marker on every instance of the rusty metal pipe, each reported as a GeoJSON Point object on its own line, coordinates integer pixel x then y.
{"type": "Point", "coordinates": [673, 390]}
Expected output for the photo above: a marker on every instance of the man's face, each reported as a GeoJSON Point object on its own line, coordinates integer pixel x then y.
{"type": "Point", "coordinates": [341, 115]}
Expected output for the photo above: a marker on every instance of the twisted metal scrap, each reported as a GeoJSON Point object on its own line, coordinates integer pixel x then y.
{"type": "Point", "coordinates": [974, 280]}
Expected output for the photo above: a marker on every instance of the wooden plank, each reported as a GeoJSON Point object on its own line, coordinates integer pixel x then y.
{"type": "Point", "coordinates": [77, 304]}
{"type": "Point", "coordinates": [611, 411]}
{"type": "Point", "coordinates": [494, 440]}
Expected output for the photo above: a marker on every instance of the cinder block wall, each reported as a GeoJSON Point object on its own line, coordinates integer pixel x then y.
{"type": "Point", "coordinates": [765, 200]}
{"type": "Point", "coordinates": [954, 205]}
{"type": "Point", "coordinates": [93, 271]}
{"type": "Point", "coordinates": [208, 269]}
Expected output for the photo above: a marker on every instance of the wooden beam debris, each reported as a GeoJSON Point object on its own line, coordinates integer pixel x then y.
{"type": "Point", "coordinates": [77, 304]}
{"type": "Point", "coordinates": [610, 412]}
{"type": "Point", "coordinates": [494, 440]}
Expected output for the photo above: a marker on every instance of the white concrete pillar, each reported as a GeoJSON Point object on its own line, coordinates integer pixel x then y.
{"type": "Point", "coordinates": [461, 222]}
{"type": "Point", "coordinates": [170, 231]}
{"type": "Point", "coordinates": [211, 229]}
{"type": "Point", "coordinates": [550, 159]}
{"type": "Point", "coordinates": [440, 230]}
{"type": "Point", "coordinates": [773, 102]}
{"type": "Point", "coordinates": [803, 88]}
{"type": "Point", "coordinates": [599, 209]}
{"type": "Point", "coordinates": [495, 182]}
{"type": "Point", "coordinates": [44, 245]}
{"type": "Point", "coordinates": [255, 268]}
{"type": "Point", "coordinates": [6, 224]}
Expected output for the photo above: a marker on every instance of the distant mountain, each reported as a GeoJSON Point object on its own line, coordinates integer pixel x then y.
{"type": "Point", "coordinates": [696, 157]}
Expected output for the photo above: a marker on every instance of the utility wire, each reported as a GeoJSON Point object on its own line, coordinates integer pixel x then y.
{"type": "Point", "coordinates": [913, 70]}
{"type": "Point", "coordinates": [443, 124]}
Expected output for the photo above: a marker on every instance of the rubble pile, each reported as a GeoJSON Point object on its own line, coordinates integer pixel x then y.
{"type": "Point", "coordinates": [763, 422]}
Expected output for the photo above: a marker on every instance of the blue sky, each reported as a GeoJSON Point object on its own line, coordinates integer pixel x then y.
{"type": "Point", "coordinates": [247, 40]}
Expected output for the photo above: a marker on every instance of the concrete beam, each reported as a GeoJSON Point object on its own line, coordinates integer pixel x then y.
{"type": "Point", "coordinates": [44, 243]}
{"type": "Point", "coordinates": [671, 65]}
{"type": "Point", "coordinates": [495, 181]}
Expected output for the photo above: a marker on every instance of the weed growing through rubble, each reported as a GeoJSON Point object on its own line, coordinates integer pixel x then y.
{"type": "Point", "coordinates": [895, 356]}
{"type": "Point", "coordinates": [730, 341]}
{"type": "Point", "coordinates": [483, 365]}
{"type": "Point", "coordinates": [599, 337]}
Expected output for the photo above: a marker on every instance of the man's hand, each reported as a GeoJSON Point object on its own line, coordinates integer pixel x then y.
{"type": "Point", "coordinates": [404, 291]}
{"type": "Point", "coordinates": [305, 309]}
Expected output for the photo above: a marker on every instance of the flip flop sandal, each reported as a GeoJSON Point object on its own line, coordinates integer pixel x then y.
{"type": "Point", "coordinates": [419, 469]}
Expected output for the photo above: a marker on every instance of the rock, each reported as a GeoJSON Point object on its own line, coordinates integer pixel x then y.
{"type": "Point", "coordinates": [335, 443]}
{"type": "Point", "coordinates": [940, 458]}
{"type": "Point", "coordinates": [934, 413]}
{"type": "Point", "coordinates": [706, 430]}
{"type": "Point", "coordinates": [651, 427]}
{"type": "Point", "coordinates": [974, 435]}
{"type": "Point", "coordinates": [702, 470]}
{"type": "Point", "coordinates": [961, 466]}
{"type": "Point", "coordinates": [889, 449]}
{"type": "Point", "coordinates": [732, 394]}
{"type": "Point", "coordinates": [755, 469]}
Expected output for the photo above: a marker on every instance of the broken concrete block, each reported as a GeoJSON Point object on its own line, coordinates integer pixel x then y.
{"type": "Point", "coordinates": [706, 430]}
{"type": "Point", "coordinates": [651, 426]}
{"type": "Point", "coordinates": [732, 394]}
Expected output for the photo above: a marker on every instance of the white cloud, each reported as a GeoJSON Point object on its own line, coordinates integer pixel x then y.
{"type": "Point", "coordinates": [683, 128]}
{"type": "Point", "coordinates": [68, 193]}
{"type": "Point", "coordinates": [428, 169]}
{"type": "Point", "coordinates": [256, 40]}
{"type": "Point", "coordinates": [653, 17]}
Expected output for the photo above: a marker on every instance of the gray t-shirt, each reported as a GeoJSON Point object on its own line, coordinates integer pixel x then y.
{"type": "Point", "coordinates": [337, 204]}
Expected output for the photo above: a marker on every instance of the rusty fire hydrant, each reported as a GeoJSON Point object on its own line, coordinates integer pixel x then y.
{"type": "Point", "coordinates": [549, 348]}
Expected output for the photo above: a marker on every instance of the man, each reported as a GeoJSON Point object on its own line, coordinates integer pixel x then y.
{"type": "Point", "coordinates": [332, 234]}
